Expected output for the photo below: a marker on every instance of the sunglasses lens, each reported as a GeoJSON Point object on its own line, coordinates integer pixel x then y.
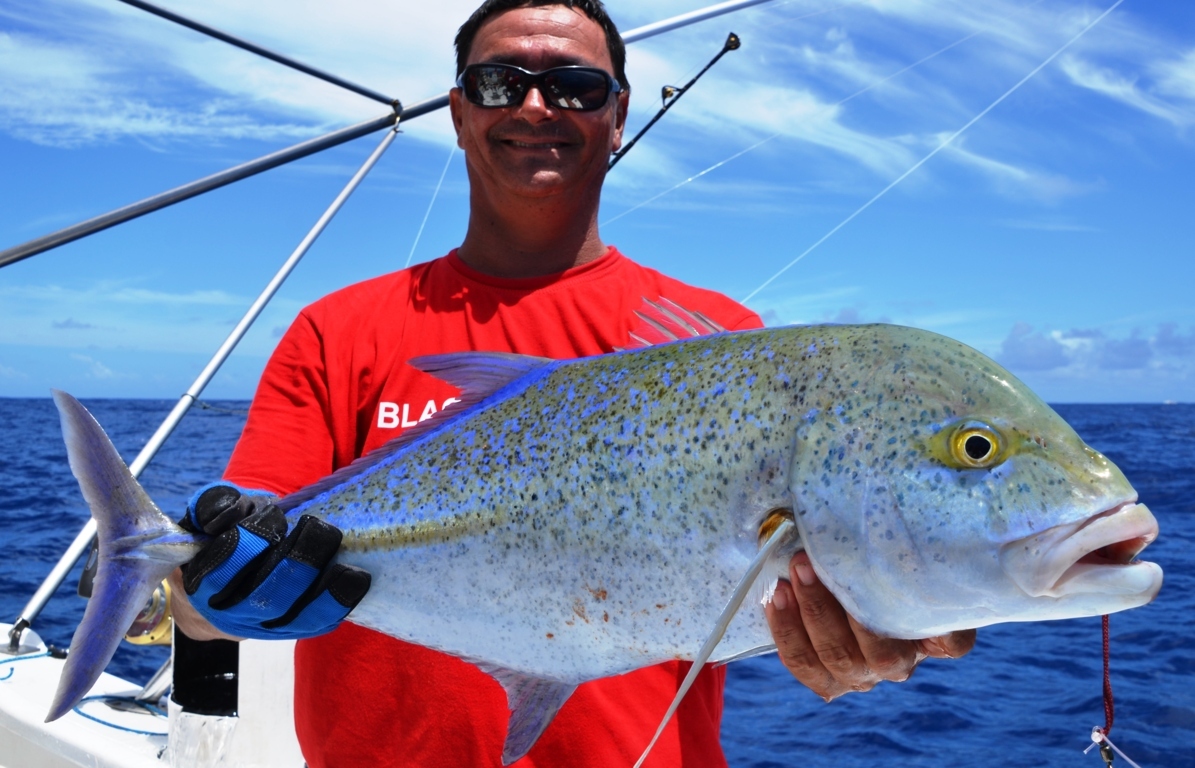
{"type": "Point", "coordinates": [575, 88]}
{"type": "Point", "coordinates": [500, 85]}
{"type": "Point", "coordinates": [494, 86]}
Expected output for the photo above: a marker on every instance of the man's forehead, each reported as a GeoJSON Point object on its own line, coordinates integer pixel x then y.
{"type": "Point", "coordinates": [541, 37]}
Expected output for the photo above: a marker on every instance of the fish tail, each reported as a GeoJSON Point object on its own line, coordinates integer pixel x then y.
{"type": "Point", "coordinates": [138, 547]}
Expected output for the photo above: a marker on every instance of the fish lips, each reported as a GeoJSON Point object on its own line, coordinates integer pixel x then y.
{"type": "Point", "coordinates": [1095, 556]}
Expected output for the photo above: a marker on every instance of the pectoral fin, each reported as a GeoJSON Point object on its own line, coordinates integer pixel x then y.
{"type": "Point", "coordinates": [533, 703]}
{"type": "Point", "coordinates": [736, 600]}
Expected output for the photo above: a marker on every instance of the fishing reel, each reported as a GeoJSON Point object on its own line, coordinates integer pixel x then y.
{"type": "Point", "coordinates": [155, 624]}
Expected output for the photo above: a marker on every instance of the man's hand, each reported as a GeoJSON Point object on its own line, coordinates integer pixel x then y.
{"type": "Point", "coordinates": [832, 654]}
{"type": "Point", "coordinates": [254, 579]}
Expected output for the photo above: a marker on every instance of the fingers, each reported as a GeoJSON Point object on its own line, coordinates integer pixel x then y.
{"type": "Point", "coordinates": [950, 646]}
{"type": "Point", "coordinates": [888, 658]}
{"type": "Point", "coordinates": [823, 647]}
{"type": "Point", "coordinates": [218, 507]}
{"type": "Point", "coordinates": [814, 638]}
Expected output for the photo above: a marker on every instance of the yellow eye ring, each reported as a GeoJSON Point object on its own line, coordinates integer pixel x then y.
{"type": "Point", "coordinates": [975, 446]}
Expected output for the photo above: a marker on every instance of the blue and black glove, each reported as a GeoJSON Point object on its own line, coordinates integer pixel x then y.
{"type": "Point", "coordinates": [256, 580]}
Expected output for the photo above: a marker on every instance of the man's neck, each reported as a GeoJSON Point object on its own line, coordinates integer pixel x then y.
{"type": "Point", "coordinates": [541, 237]}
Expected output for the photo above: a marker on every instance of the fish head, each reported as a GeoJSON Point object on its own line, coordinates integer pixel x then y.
{"type": "Point", "coordinates": [934, 491]}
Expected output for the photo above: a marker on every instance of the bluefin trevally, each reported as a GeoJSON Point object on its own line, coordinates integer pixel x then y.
{"type": "Point", "coordinates": [571, 520]}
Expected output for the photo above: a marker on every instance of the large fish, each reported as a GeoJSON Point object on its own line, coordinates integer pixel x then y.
{"type": "Point", "coordinates": [571, 520]}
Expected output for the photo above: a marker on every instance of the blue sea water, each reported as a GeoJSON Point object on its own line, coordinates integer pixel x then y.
{"type": "Point", "coordinates": [1027, 695]}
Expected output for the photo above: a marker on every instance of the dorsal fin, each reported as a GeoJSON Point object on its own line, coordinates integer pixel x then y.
{"type": "Point", "coordinates": [477, 374]}
{"type": "Point", "coordinates": [663, 321]}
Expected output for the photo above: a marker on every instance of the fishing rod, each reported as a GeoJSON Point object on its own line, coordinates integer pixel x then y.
{"type": "Point", "coordinates": [83, 540]}
{"type": "Point", "coordinates": [671, 94]}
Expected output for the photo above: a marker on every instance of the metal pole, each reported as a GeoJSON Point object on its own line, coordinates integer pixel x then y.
{"type": "Point", "coordinates": [368, 93]}
{"type": "Point", "coordinates": [63, 236]}
{"type": "Point", "coordinates": [685, 19]}
{"type": "Point", "coordinates": [82, 542]}
{"type": "Point", "coordinates": [187, 191]}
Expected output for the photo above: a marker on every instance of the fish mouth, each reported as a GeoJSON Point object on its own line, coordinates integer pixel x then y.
{"type": "Point", "coordinates": [1097, 555]}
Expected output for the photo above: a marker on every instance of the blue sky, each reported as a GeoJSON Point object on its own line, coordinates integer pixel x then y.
{"type": "Point", "coordinates": [1055, 234]}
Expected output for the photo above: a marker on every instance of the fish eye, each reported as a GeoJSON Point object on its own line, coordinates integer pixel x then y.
{"type": "Point", "coordinates": [975, 446]}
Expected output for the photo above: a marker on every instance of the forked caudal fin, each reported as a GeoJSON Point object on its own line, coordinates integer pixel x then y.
{"type": "Point", "coordinates": [138, 547]}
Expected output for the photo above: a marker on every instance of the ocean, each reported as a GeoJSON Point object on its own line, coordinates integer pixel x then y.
{"type": "Point", "coordinates": [1028, 694]}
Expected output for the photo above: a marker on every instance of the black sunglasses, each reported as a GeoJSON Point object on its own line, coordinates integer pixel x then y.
{"type": "Point", "coordinates": [502, 85]}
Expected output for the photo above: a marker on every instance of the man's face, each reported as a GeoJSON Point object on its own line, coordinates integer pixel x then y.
{"type": "Point", "coordinates": [537, 150]}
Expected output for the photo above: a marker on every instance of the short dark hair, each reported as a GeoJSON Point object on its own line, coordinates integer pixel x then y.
{"type": "Point", "coordinates": [591, 8]}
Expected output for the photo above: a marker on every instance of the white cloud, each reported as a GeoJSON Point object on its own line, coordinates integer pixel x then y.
{"type": "Point", "coordinates": [56, 95]}
{"type": "Point", "coordinates": [1176, 77]}
{"type": "Point", "coordinates": [1011, 178]}
{"type": "Point", "coordinates": [111, 315]}
{"type": "Point", "coordinates": [95, 369]}
{"type": "Point", "coordinates": [109, 292]}
{"type": "Point", "coordinates": [1094, 352]}
{"type": "Point", "coordinates": [1120, 87]}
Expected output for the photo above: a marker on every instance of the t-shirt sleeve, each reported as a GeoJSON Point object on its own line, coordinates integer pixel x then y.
{"type": "Point", "coordinates": [287, 442]}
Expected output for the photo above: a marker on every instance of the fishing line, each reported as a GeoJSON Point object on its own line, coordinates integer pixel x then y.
{"type": "Point", "coordinates": [1099, 736]}
{"type": "Point", "coordinates": [1109, 704]}
{"type": "Point", "coordinates": [778, 134]}
{"type": "Point", "coordinates": [936, 149]}
{"type": "Point", "coordinates": [435, 194]}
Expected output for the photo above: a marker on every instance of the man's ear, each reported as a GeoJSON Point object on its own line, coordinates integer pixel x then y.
{"type": "Point", "coordinates": [620, 119]}
{"type": "Point", "coordinates": [454, 107]}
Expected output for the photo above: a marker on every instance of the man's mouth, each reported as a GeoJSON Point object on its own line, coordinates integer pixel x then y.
{"type": "Point", "coordinates": [534, 144]}
{"type": "Point", "coordinates": [542, 141]}
{"type": "Point", "coordinates": [1098, 554]}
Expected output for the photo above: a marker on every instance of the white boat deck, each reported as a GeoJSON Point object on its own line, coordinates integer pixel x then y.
{"type": "Point", "coordinates": [98, 736]}
{"type": "Point", "coordinates": [114, 739]}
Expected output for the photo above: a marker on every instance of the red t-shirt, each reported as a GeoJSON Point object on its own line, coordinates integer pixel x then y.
{"type": "Point", "coordinates": [338, 386]}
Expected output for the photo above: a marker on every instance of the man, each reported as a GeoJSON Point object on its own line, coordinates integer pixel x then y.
{"type": "Point", "coordinates": [532, 276]}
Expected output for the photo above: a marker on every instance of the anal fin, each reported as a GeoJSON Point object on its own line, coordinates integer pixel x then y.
{"type": "Point", "coordinates": [533, 704]}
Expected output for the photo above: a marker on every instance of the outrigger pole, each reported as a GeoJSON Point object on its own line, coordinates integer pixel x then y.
{"type": "Point", "coordinates": [286, 61]}
{"type": "Point", "coordinates": [82, 542]}
{"type": "Point", "coordinates": [301, 150]}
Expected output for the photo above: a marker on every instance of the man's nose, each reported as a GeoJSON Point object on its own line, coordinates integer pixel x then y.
{"type": "Point", "coordinates": [535, 108]}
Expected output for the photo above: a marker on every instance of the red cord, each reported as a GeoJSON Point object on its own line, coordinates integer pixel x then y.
{"type": "Point", "coordinates": [1109, 709]}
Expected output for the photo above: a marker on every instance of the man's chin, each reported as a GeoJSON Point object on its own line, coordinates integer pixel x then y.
{"type": "Point", "coordinates": [540, 183]}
